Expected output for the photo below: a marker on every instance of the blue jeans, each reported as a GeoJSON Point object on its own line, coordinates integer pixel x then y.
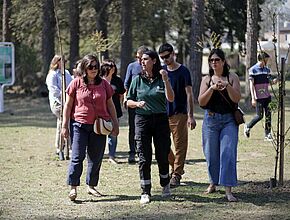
{"type": "Point", "coordinates": [86, 140]}
{"type": "Point", "coordinates": [220, 141]}
{"type": "Point", "coordinates": [112, 143]}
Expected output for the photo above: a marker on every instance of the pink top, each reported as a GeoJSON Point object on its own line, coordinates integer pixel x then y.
{"type": "Point", "coordinates": [89, 100]}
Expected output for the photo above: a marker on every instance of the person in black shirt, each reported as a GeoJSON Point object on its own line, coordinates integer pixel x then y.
{"type": "Point", "coordinates": [109, 72]}
{"type": "Point", "coordinates": [219, 92]}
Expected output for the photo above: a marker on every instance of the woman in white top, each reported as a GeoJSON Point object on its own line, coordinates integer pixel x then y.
{"type": "Point", "coordinates": [54, 85]}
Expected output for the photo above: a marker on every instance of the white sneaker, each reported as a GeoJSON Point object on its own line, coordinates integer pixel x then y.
{"type": "Point", "coordinates": [268, 137]}
{"type": "Point", "coordinates": [145, 198]}
{"type": "Point", "coordinates": [166, 191]}
{"type": "Point", "coordinates": [246, 131]}
{"type": "Point", "coordinates": [113, 160]}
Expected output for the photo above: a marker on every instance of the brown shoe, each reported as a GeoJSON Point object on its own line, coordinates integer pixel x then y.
{"type": "Point", "coordinates": [175, 181]}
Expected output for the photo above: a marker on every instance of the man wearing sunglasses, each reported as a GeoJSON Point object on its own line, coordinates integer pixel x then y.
{"type": "Point", "coordinates": [180, 111]}
{"type": "Point", "coordinates": [133, 70]}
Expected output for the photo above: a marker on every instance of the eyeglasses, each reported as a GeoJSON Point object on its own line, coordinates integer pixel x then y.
{"type": "Point", "coordinates": [215, 60]}
{"type": "Point", "coordinates": [165, 56]}
{"type": "Point", "coordinates": [91, 67]}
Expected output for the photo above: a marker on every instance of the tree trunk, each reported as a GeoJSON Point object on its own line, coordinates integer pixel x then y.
{"type": "Point", "coordinates": [180, 54]}
{"type": "Point", "coordinates": [74, 18]}
{"type": "Point", "coordinates": [102, 21]}
{"type": "Point", "coordinates": [126, 38]}
{"type": "Point", "coordinates": [180, 48]}
{"type": "Point", "coordinates": [48, 34]}
{"type": "Point", "coordinates": [6, 31]}
{"type": "Point", "coordinates": [251, 43]}
{"type": "Point", "coordinates": [231, 38]}
{"type": "Point", "coordinates": [197, 25]}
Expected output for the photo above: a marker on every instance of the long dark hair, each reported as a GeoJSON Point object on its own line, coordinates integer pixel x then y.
{"type": "Point", "coordinates": [106, 67]}
{"type": "Point", "coordinates": [157, 65]}
{"type": "Point", "coordinates": [220, 53]}
{"type": "Point", "coordinates": [86, 61]}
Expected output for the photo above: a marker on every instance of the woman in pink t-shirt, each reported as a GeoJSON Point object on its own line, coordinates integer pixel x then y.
{"type": "Point", "coordinates": [88, 96]}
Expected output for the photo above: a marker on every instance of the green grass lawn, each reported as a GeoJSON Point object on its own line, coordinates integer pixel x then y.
{"type": "Point", "coordinates": [33, 180]}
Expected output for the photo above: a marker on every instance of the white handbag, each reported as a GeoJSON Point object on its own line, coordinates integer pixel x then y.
{"type": "Point", "coordinates": [102, 126]}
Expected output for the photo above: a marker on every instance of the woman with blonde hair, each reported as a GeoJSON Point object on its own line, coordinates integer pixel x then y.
{"type": "Point", "coordinates": [54, 85]}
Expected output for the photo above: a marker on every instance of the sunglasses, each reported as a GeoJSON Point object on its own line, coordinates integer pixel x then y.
{"type": "Point", "coordinates": [110, 65]}
{"type": "Point", "coordinates": [91, 67]}
{"type": "Point", "coordinates": [215, 60]}
{"type": "Point", "coordinates": [165, 56]}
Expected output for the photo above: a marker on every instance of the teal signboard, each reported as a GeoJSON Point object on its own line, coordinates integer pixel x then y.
{"type": "Point", "coordinates": [7, 69]}
{"type": "Point", "coordinates": [7, 73]}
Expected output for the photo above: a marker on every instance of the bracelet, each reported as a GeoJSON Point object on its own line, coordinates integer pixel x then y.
{"type": "Point", "coordinates": [166, 80]}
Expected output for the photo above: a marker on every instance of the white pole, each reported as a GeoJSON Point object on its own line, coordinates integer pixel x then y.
{"type": "Point", "coordinates": [278, 39]}
{"type": "Point", "coordinates": [1, 99]}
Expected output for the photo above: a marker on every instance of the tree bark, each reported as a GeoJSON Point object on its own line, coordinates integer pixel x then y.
{"type": "Point", "coordinates": [6, 31]}
{"type": "Point", "coordinates": [197, 26]}
{"type": "Point", "coordinates": [48, 34]}
{"type": "Point", "coordinates": [74, 18]}
{"type": "Point", "coordinates": [102, 21]}
{"type": "Point", "coordinates": [251, 43]}
{"type": "Point", "coordinates": [126, 37]}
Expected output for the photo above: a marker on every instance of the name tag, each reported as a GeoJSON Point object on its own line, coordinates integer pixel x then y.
{"type": "Point", "coordinates": [160, 89]}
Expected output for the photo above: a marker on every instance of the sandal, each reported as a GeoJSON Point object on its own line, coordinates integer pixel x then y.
{"type": "Point", "coordinates": [231, 198]}
{"type": "Point", "coordinates": [94, 192]}
{"type": "Point", "coordinates": [210, 189]}
{"type": "Point", "coordinates": [72, 194]}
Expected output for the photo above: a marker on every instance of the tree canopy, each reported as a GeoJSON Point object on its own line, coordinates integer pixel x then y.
{"type": "Point", "coordinates": [152, 23]}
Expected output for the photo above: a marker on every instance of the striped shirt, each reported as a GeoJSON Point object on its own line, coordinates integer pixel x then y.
{"type": "Point", "coordinates": [260, 76]}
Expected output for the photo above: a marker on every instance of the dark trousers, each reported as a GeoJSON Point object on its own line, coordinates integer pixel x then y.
{"type": "Point", "coordinates": [156, 127]}
{"type": "Point", "coordinates": [86, 140]}
{"type": "Point", "coordinates": [261, 106]}
{"type": "Point", "coordinates": [131, 122]}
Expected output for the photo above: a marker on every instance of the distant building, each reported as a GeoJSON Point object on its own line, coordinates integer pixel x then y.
{"type": "Point", "coordinates": [284, 37]}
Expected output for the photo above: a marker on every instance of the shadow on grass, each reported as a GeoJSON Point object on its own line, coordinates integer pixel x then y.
{"type": "Point", "coordinates": [194, 161]}
{"type": "Point", "coordinates": [257, 193]}
{"type": "Point", "coordinates": [108, 198]}
{"type": "Point", "coordinates": [260, 193]}
{"type": "Point", "coordinates": [121, 155]}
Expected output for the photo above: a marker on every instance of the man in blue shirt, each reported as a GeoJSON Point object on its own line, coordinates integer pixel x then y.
{"type": "Point", "coordinates": [133, 70]}
{"type": "Point", "coordinates": [180, 111]}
